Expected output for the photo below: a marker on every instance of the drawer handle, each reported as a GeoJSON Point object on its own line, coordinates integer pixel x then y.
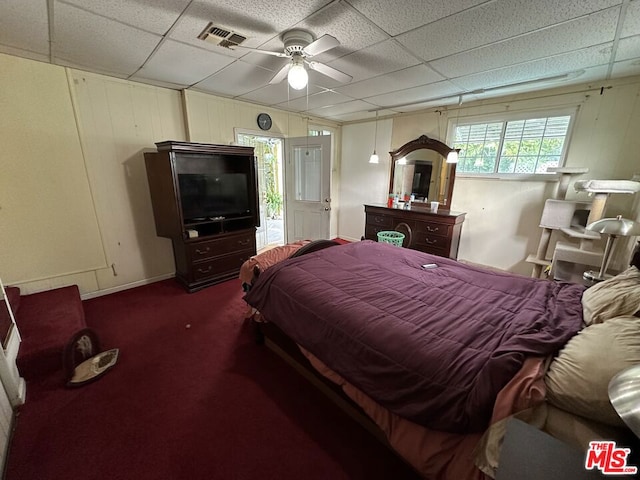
{"type": "Point", "coordinates": [203, 252]}
{"type": "Point", "coordinates": [378, 219]}
{"type": "Point", "coordinates": [203, 270]}
{"type": "Point", "coordinates": [430, 242]}
{"type": "Point", "coordinates": [429, 229]}
{"type": "Point", "coordinates": [244, 242]}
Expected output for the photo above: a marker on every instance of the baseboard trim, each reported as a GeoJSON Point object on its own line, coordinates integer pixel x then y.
{"type": "Point", "coordinates": [127, 286]}
{"type": "Point", "coordinates": [351, 239]}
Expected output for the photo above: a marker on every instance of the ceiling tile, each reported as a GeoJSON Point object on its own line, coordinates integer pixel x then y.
{"type": "Point", "coordinates": [78, 66]}
{"type": "Point", "coordinates": [189, 65]}
{"type": "Point", "coordinates": [628, 48]}
{"type": "Point", "coordinates": [538, 69]}
{"type": "Point", "coordinates": [626, 68]}
{"type": "Point", "coordinates": [589, 75]}
{"type": "Point", "coordinates": [95, 42]}
{"type": "Point", "coordinates": [279, 94]}
{"type": "Point", "coordinates": [416, 94]}
{"type": "Point", "coordinates": [441, 48]}
{"type": "Point", "coordinates": [259, 21]}
{"type": "Point", "coordinates": [363, 114]}
{"type": "Point", "coordinates": [343, 108]}
{"type": "Point", "coordinates": [265, 61]}
{"type": "Point", "coordinates": [345, 24]}
{"type": "Point", "coordinates": [631, 25]}
{"type": "Point", "coordinates": [154, 16]}
{"type": "Point", "coordinates": [514, 17]}
{"type": "Point", "coordinates": [24, 25]}
{"type": "Point", "coordinates": [398, 80]}
{"type": "Point", "coordinates": [317, 100]}
{"type": "Point", "coordinates": [585, 32]}
{"type": "Point", "coordinates": [376, 60]}
{"type": "Point", "coordinates": [236, 79]}
{"type": "Point", "coordinates": [430, 104]}
{"type": "Point", "coordinates": [409, 14]}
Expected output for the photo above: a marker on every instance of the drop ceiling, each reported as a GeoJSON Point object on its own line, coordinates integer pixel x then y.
{"type": "Point", "coordinates": [403, 55]}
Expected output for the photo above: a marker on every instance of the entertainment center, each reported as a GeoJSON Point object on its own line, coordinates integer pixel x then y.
{"type": "Point", "coordinates": [205, 200]}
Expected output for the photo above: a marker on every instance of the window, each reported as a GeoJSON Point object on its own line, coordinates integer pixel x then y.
{"type": "Point", "coordinates": [318, 133]}
{"type": "Point", "coordinates": [516, 146]}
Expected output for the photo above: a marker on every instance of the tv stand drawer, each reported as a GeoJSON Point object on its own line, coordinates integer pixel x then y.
{"type": "Point", "coordinates": [207, 249]}
{"type": "Point", "coordinates": [220, 266]}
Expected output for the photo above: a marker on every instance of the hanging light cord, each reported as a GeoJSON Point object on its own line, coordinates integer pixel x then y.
{"type": "Point", "coordinates": [374, 156]}
{"type": "Point", "coordinates": [375, 135]}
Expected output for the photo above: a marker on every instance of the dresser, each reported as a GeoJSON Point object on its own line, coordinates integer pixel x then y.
{"type": "Point", "coordinates": [437, 233]}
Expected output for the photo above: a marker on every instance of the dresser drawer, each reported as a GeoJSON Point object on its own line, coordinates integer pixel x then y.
{"type": "Point", "coordinates": [221, 246]}
{"type": "Point", "coordinates": [220, 265]}
{"type": "Point", "coordinates": [431, 229]}
{"type": "Point", "coordinates": [379, 220]}
{"type": "Point", "coordinates": [428, 241]}
{"type": "Point", "coordinates": [371, 231]}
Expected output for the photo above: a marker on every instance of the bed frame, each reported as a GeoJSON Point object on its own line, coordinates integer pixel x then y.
{"type": "Point", "coordinates": [275, 339]}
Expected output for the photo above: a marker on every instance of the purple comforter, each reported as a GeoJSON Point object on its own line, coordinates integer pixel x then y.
{"type": "Point", "coordinates": [432, 345]}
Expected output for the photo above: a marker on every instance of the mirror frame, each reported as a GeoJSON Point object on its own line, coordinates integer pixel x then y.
{"type": "Point", "coordinates": [424, 142]}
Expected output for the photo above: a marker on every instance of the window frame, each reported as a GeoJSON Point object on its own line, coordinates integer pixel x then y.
{"type": "Point", "coordinates": [453, 123]}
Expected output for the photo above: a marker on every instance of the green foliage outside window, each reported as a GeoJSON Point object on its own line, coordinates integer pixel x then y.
{"type": "Point", "coordinates": [267, 153]}
{"type": "Point", "coordinates": [514, 147]}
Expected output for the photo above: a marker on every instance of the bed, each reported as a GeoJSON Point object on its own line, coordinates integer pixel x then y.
{"type": "Point", "coordinates": [432, 359]}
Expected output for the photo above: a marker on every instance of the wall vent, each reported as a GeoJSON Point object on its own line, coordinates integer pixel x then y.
{"type": "Point", "coordinates": [221, 36]}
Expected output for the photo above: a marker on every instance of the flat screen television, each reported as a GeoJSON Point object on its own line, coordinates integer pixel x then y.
{"type": "Point", "coordinates": [207, 195]}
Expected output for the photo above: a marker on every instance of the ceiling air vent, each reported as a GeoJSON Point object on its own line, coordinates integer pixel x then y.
{"type": "Point", "coordinates": [221, 36]}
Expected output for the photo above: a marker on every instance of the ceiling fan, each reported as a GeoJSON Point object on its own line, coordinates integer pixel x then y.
{"type": "Point", "coordinates": [300, 46]}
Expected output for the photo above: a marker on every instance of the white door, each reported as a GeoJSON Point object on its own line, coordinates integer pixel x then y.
{"type": "Point", "coordinates": [308, 188]}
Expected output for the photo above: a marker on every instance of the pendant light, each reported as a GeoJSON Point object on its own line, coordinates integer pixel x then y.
{"type": "Point", "coordinates": [374, 156]}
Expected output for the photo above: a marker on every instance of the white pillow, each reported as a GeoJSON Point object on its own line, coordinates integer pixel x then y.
{"type": "Point", "coordinates": [578, 378]}
{"type": "Point", "coordinates": [612, 298]}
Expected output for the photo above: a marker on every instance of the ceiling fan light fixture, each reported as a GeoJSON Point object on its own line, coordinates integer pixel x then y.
{"type": "Point", "coordinates": [452, 157]}
{"type": "Point", "coordinates": [298, 77]}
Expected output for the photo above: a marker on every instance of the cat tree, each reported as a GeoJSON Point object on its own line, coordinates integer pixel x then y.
{"type": "Point", "coordinates": [570, 217]}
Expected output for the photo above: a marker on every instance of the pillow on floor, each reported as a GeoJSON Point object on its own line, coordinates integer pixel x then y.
{"type": "Point", "coordinates": [612, 298]}
{"type": "Point", "coordinates": [578, 378]}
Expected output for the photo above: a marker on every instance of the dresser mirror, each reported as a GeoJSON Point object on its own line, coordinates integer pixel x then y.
{"type": "Point", "coordinates": [419, 168]}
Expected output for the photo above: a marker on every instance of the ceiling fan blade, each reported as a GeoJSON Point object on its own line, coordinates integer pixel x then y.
{"type": "Point", "coordinates": [330, 72]}
{"type": "Point", "coordinates": [266, 52]}
{"type": "Point", "coordinates": [322, 44]}
{"type": "Point", "coordinates": [282, 73]}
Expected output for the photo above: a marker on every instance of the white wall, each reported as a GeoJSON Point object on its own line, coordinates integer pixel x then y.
{"type": "Point", "coordinates": [74, 201]}
{"type": "Point", "coordinates": [360, 181]}
{"type": "Point", "coordinates": [501, 226]}
{"type": "Point", "coordinates": [48, 227]}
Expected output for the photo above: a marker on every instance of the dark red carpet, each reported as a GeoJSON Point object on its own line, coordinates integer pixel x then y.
{"type": "Point", "coordinates": [202, 402]}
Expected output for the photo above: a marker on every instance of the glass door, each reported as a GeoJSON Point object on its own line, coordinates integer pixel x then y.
{"type": "Point", "coordinates": [268, 152]}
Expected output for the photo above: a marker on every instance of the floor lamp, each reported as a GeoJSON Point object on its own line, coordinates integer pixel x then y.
{"type": "Point", "coordinates": [613, 228]}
